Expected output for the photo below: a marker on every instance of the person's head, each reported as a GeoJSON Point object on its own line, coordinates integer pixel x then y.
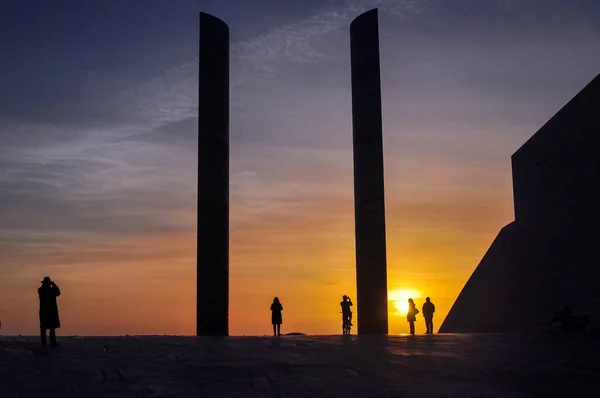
{"type": "Point", "coordinates": [46, 281]}
{"type": "Point", "coordinates": [410, 301]}
{"type": "Point", "coordinates": [427, 299]}
{"type": "Point", "coordinates": [276, 300]}
{"type": "Point", "coordinates": [345, 298]}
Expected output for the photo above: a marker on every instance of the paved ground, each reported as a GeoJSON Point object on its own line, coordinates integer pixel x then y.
{"type": "Point", "coordinates": [299, 366]}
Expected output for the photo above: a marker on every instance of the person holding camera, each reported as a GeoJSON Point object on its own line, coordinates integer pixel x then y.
{"type": "Point", "coordinates": [346, 313]}
{"type": "Point", "coordinates": [49, 319]}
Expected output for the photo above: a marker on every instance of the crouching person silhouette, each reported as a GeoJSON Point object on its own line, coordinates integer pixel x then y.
{"type": "Point", "coordinates": [49, 319]}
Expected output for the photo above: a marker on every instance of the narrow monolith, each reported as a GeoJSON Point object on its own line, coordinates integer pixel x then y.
{"type": "Point", "coordinates": [212, 301]}
{"type": "Point", "coordinates": [369, 201]}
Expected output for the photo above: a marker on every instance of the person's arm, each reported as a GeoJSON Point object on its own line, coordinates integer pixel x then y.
{"type": "Point", "coordinates": [432, 308]}
{"type": "Point", "coordinates": [56, 289]}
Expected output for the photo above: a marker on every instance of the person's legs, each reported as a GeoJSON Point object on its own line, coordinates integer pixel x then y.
{"type": "Point", "coordinates": [274, 330]}
{"type": "Point", "coordinates": [431, 325]}
{"type": "Point", "coordinates": [412, 327]}
{"type": "Point", "coordinates": [43, 336]}
{"type": "Point", "coordinates": [53, 337]}
{"type": "Point", "coordinates": [279, 329]}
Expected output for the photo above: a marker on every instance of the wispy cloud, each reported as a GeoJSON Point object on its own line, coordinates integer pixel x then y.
{"type": "Point", "coordinates": [137, 156]}
{"type": "Point", "coordinates": [116, 159]}
{"type": "Point", "coordinates": [173, 96]}
{"type": "Point", "coordinates": [117, 173]}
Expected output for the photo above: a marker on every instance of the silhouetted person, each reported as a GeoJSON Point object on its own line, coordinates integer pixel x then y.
{"type": "Point", "coordinates": [428, 310]}
{"type": "Point", "coordinates": [346, 303]}
{"type": "Point", "coordinates": [276, 318]}
{"type": "Point", "coordinates": [49, 319]}
{"type": "Point", "coordinates": [571, 322]}
{"type": "Point", "coordinates": [566, 319]}
{"type": "Point", "coordinates": [411, 316]}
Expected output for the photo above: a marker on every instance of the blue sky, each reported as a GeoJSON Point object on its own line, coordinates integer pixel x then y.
{"type": "Point", "coordinates": [98, 132]}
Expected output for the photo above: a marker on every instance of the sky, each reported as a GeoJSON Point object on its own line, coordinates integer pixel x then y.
{"type": "Point", "coordinates": [98, 151]}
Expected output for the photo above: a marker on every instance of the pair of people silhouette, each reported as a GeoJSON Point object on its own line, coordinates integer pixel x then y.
{"type": "Point", "coordinates": [428, 311]}
{"type": "Point", "coordinates": [346, 305]}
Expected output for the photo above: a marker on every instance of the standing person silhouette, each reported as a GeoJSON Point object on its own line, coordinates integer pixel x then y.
{"type": "Point", "coordinates": [411, 316]}
{"type": "Point", "coordinates": [49, 319]}
{"type": "Point", "coordinates": [428, 310]}
{"type": "Point", "coordinates": [276, 318]}
{"type": "Point", "coordinates": [346, 303]}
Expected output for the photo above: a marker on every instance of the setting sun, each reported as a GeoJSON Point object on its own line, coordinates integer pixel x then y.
{"type": "Point", "coordinates": [400, 297]}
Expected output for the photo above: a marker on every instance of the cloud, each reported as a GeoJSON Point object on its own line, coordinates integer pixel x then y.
{"type": "Point", "coordinates": [130, 167]}
{"type": "Point", "coordinates": [172, 96]}
{"type": "Point", "coordinates": [134, 160]}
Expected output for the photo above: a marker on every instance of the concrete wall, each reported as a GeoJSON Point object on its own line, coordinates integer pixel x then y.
{"type": "Point", "coordinates": [548, 257]}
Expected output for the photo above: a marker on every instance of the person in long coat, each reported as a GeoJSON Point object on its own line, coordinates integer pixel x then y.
{"type": "Point", "coordinates": [276, 318]}
{"type": "Point", "coordinates": [49, 319]}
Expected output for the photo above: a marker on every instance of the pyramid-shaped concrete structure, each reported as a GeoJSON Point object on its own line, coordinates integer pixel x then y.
{"type": "Point", "coordinates": [549, 256]}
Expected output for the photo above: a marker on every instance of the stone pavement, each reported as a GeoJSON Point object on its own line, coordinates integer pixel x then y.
{"type": "Point", "coordinates": [430, 366]}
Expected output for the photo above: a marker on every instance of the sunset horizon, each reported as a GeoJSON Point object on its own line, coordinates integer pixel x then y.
{"type": "Point", "coordinates": [98, 151]}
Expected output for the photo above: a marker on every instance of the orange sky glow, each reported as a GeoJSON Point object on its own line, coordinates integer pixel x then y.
{"type": "Point", "coordinates": [437, 230]}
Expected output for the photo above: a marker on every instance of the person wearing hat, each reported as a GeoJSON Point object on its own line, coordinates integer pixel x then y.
{"type": "Point", "coordinates": [49, 319]}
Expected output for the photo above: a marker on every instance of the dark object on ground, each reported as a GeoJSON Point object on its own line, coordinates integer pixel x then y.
{"type": "Point", "coordinates": [569, 322]}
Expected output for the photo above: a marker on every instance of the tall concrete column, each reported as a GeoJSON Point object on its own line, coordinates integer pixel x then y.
{"type": "Point", "coordinates": [212, 304]}
{"type": "Point", "coordinates": [369, 201]}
